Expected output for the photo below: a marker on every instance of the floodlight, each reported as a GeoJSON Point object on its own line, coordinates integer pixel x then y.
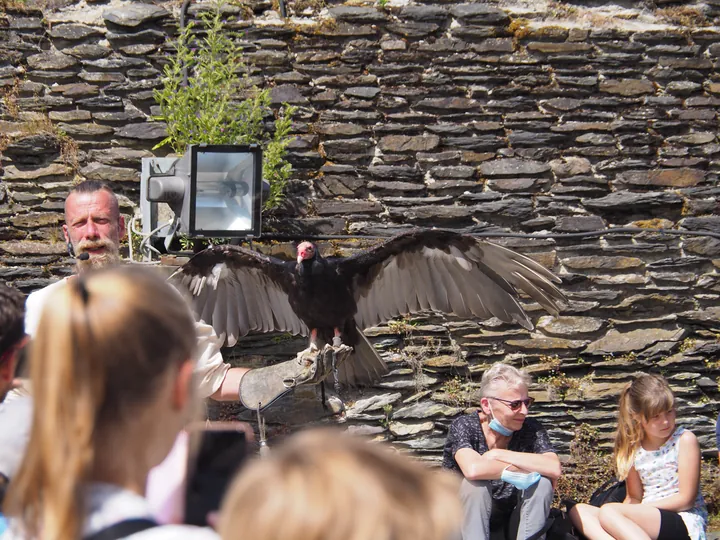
{"type": "Point", "coordinates": [212, 190]}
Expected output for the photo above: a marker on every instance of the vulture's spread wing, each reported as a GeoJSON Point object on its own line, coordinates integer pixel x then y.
{"type": "Point", "coordinates": [449, 272]}
{"type": "Point", "coordinates": [236, 291]}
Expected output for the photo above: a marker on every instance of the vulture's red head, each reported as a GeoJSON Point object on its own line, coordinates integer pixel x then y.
{"type": "Point", "coordinates": [305, 251]}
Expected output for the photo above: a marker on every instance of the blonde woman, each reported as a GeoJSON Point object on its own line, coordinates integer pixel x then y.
{"type": "Point", "coordinates": [113, 385]}
{"type": "Point", "coordinates": [326, 485]}
{"type": "Point", "coordinates": [661, 465]}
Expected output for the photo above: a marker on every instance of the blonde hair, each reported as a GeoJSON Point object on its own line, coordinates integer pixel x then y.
{"type": "Point", "coordinates": [327, 485]}
{"type": "Point", "coordinates": [104, 343]}
{"type": "Point", "coordinates": [646, 396]}
{"type": "Point", "coordinates": [505, 373]}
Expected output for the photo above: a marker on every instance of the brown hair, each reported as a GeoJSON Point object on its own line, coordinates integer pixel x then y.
{"type": "Point", "coordinates": [104, 343]}
{"type": "Point", "coordinates": [327, 485]}
{"type": "Point", "coordinates": [12, 317]}
{"type": "Point", "coordinates": [646, 396]}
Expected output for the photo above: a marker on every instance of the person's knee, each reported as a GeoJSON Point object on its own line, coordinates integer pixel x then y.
{"type": "Point", "coordinates": [543, 490]}
{"type": "Point", "coordinates": [545, 487]}
{"type": "Point", "coordinates": [609, 514]}
{"type": "Point", "coordinates": [475, 490]}
{"type": "Point", "coordinates": [579, 513]}
{"type": "Point", "coordinates": [476, 496]}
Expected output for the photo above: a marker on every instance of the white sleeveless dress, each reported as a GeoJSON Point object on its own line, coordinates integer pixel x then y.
{"type": "Point", "coordinates": [658, 470]}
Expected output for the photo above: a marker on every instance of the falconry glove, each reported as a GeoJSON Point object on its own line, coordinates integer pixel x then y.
{"type": "Point", "coordinates": [261, 387]}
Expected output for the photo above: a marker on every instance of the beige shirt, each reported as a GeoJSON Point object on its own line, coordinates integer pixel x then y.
{"type": "Point", "coordinates": [210, 366]}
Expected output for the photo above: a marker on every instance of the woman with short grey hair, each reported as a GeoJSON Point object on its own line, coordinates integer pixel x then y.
{"type": "Point", "coordinates": [503, 373]}
{"type": "Point", "coordinates": [507, 461]}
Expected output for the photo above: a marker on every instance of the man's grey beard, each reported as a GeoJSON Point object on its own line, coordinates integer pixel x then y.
{"type": "Point", "coordinates": [96, 262]}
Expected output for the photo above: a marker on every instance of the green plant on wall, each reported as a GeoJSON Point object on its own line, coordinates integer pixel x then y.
{"type": "Point", "coordinates": [219, 104]}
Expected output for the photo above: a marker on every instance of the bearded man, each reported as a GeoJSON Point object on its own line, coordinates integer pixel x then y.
{"type": "Point", "coordinates": [93, 230]}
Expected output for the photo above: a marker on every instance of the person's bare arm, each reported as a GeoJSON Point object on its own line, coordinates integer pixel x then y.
{"type": "Point", "coordinates": [633, 488]}
{"type": "Point", "coordinates": [689, 473]}
{"type": "Point", "coordinates": [475, 466]}
{"type": "Point", "coordinates": [230, 388]}
{"type": "Point", "coordinates": [547, 464]}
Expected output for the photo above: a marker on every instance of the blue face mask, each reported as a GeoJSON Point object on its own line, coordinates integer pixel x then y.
{"type": "Point", "coordinates": [520, 480]}
{"type": "Point", "coordinates": [497, 427]}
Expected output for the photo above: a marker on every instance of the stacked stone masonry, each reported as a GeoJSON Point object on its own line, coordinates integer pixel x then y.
{"type": "Point", "coordinates": [439, 114]}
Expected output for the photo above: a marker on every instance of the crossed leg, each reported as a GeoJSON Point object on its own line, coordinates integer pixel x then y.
{"type": "Point", "coordinates": [617, 521]}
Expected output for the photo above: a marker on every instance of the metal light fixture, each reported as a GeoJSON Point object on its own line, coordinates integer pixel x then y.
{"type": "Point", "coordinates": [211, 191]}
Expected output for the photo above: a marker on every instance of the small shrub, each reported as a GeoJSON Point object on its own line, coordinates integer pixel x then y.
{"type": "Point", "coordinates": [456, 392]}
{"type": "Point", "coordinates": [404, 326]}
{"type": "Point", "coordinates": [687, 16]}
{"type": "Point", "coordinates": [207, 110]}
{"type": "Point", "coordinates": [519, 28]}
{"type": "Point", "coordinates": [710, 487]}
{"type": "Point", "coordinates": [687, 345]}
{"type": "Point", "coordinates": [9, 99]}
{"type": "Point", "coordinates": [587, 467]}
{"type": "Point", "coordinates": [561, 10]}
{"type": "Point", "coordinates": [314, 5]}
{"type": "Point", "coordinates": [39, 123]}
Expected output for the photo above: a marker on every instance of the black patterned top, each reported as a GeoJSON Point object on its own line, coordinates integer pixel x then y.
{"type": "Point", "coordinates": [466, 432]}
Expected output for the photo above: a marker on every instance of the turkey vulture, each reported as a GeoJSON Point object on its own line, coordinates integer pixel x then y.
{"type": "Point", "coordinates": [237, 290]}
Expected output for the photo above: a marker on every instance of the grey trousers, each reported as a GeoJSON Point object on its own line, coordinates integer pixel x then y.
{"type": "Point", "coordinates": [528, 517]}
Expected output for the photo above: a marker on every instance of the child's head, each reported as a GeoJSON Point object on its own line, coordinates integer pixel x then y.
{"type": "Point", "coordinates": [328, 485]}
{"type": "Point", "coordinates": [647, 407]}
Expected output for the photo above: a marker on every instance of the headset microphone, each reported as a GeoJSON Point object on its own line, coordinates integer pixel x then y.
{"type": "Point", "coordinates": [83, 257]}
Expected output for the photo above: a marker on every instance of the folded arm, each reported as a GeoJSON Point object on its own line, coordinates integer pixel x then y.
{"type": "Point", "coordinates": [475, 466]}
{"type": "Point", "coordinates": [547, 464]}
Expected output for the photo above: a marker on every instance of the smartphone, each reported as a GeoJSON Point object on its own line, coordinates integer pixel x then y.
{"type": "Point", "coordinates": [217, 452]}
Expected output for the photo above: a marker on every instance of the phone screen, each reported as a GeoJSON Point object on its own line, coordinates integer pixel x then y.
{"type": "Point", "coordinates": [222, 451]}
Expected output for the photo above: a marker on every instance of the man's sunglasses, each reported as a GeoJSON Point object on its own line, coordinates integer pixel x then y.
{"type": "Point", "coordinates": [515, 404]}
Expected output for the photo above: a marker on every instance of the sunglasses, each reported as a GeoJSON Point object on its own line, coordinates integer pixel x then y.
{"type": "Point", "coordinates": [515, 404]}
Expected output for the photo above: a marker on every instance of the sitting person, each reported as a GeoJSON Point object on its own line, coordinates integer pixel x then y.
{"type": "Point", "coordinates": [507, 461]}
{"type": "Point", "coordinates": [12, 335]}
{"type": "Point", "coordinates": [14, 414]}
{"type": "Point", "coordinates": [113, 384]}
{"type": "Point", "coordinates": [660, 463]}
{"type": "Point", "coordinates": [327, 485]}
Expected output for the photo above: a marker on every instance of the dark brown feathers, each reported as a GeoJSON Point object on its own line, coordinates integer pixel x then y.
{"type": "Point", "coordinates": [237, 290]}
{"type": "Point", "coordinates": [445, 271]}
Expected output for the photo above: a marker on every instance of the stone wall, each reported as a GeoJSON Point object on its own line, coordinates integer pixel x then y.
{"type": "Point", "coordinates": [465, 116]}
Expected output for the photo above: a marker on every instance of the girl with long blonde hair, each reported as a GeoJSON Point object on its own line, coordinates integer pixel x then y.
{"type": "Point", "coordinates": [660, 463]}
{"type": "Point", "coordinates": [112, 381]}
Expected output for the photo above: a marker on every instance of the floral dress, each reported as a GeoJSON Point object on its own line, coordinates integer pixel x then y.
{"type": "Point", "coordinates": [658, 471]}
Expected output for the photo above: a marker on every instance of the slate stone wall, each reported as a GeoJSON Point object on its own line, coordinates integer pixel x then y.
{"type": "Point", "coordinates": [435, 114]}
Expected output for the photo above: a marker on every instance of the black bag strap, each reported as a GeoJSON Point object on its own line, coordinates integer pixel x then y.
{"type": "Point", "coordinates": [611, 481]}
{"type": "Point", "coordinates": [123, 529]}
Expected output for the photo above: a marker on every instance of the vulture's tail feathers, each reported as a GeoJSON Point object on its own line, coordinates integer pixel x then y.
{"type": "Point", "coordinates": [364, 366]}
